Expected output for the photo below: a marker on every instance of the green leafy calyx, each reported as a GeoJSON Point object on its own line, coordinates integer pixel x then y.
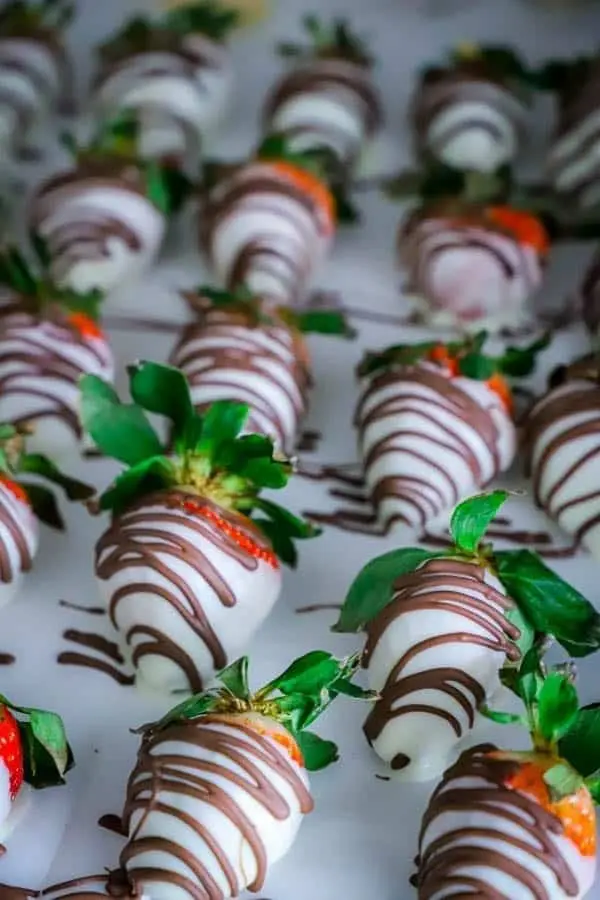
{"type": "Point", "coordinates": [464, 357]}
{"type": "Point", "coordinates": [19, 17]}
{"type": "Point", "coordinates": [143, 35]}
{"type": "Point", "coordinates": [16, 465]}
{"type": "Point", "coordinates": [47, 755]}
{"type": "Point", "coordinates": [294, 699]}
{"type": "Point", "coordinates": [115, 147]}
{"type": "Point", "coordinates": [210, 458]}
{"type": "Point", "coordinates": [243, 300]}
{"type": "Point", "coordinates": [335, 40]}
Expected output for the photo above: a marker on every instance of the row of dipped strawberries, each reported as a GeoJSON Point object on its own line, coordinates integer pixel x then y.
{"type": "Point", "coordinates": [475, 248]}
{"type": "Point", "coordinates": [227, 767]}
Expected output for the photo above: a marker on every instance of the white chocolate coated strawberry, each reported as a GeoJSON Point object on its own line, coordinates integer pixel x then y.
{"type": "Point", "coordinates": [19, 537]}
{"type": "Point", "coordinates": [100, 232]}
{"type": "Point", "coordinates": [211, 805]}
{"type": "Point", "coordinates": [428, 440]}
{"type": "Point", "coordinates": [465, 274]}
{"type": "Point", "coordinates": [41, 363]}
{"type": "Point", "coordinates": [434, 656]}
{"type": "Point", "coordinates": [178, 97]}
{"type": "Point", "coordinates": [181, 589]}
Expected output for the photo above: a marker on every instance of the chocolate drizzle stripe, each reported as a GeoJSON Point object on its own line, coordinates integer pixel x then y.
{"type": "Point", "coordinates": [16, 553]}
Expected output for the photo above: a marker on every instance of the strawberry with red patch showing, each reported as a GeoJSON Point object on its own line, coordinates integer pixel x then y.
{"type": "Point", "coordinates": [220, 787]}
{"type": "Point", "coordinates": [34, 752]}
{"type": "Point", "coordinates": [24, 503]}
{"type": "Point", "coordinates": [435, 423]}
{"type": "Point", "coordinates": [520, 825]}
{"type": "Point", "coordinates": [49, 338]}
{"type": "Point", "coordinates": [190, 565]}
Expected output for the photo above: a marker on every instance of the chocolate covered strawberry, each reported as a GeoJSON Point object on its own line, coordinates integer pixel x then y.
{"type": "Point", "coordinates": [519, 824]}
{"type": "Point", "coordinates": [562, 442]}
{"type": "Point", "coordinates": [241, 350]}
{"type": "Point", "coordinates": [35, 73]}
{"type": "Point", "coordinates": [435, 423]}
{"type": "Point", "coordinates": [473, 262]}
{"type": "Point", "coordinates": [328, 100]}
{"type": "Point", "coordinates": [190, 565]}
{"type": "Point", "coordinates": [220, 787]}
{"type": "Point", "coordinates": [24, 503]}
{"type": "Point", "coordinates": [100, 224]}
{"type": "Point", "coordinates": [440, 628]}
{"type": "Point", "coordinates": [174, 72]}
{"type": "Point", "coordinates": [470, 112]}
{"type": "Point", "coordinates": [34, 752]}
{"type": "Point", "coordinates": [49, 338]}
{"type": "Point", "coordinates": [269, 223]}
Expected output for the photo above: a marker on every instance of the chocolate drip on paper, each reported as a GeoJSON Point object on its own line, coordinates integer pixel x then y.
{"type": "Point", "coordinates": [91, 610]}
{"type": "Point", "coordinates": [143, 538]}
{"type": "Point", "coordinates": [475, 786]}
{"type": "Point", "coordinates": [449, 586]}
{"type": "Point", "coordinates": [199, 775]}
{"type": "Point", "coordinates": [113, 823]}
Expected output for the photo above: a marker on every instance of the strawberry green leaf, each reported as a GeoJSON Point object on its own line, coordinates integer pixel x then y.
{"type": "Point", "coordinates": [526, 680]}
{"type": "Point", "coordinates": [149, 475]}
{"type": "Point", "coordinates": [265, 473]}
{"type": "Point", "coordinates": [557, 706]}
{"type": "Point", "coordinates": [472, 517]}
{"type": "Point", "coordinates": [49, 731]}
{"type": "Point", "coordinates": [120, 431]}
{"type": "Point", "coordinates": [40, 769]}
{"type": "Point", "coordinates": [163, 390]}
{"type": "Point", "coordinates": [36, 464]}
{"type": "Point", "coordinates": [324, 322]}
{"type": "Point", "coordinates": [580, 745]}
{"type": "Point", "coordinates": [44, 504]}
{"type": "Point", "coordinates": [477, 366]}
{"type": "Point", "coordinates": [371, 591]}
{"type": "Point", "coordinates": [235, 678]}
{"type": "Point", "coordinates": [156, 188]}
{"type": "Point", "coordinates": [518, 362]}
{"type": "Point", "coordinates": [208, 17]}
{"type": "Point", "coordinates": [316, 752]}
{"type": "Point", "coordinates": [551, 605]}
{"type": "Point", "coordinates": [296, 528]}
{"type": "Point", "coordinates": [501, 718]}
{"type": "Point", "coordinates": [190, 708]}
{"type": "Point", "coordinates": [222, 423]}
{"type": "Point", "coordinates": [563, 781]}
{"type": "Point", "coordinates": [16, 273]}
{"type": "Point", "coordinates": [282, 544]}
{"type": "Point", "coordinates": [397, 355]}
{"type": "Point", "coordinates": [309, 674]}
{"type": "Point", "coordinates": [40, 248]}
{"type": "Point", "coordinates": [349, 689]}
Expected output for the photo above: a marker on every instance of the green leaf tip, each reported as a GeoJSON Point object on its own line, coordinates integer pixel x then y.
{"type": "Point", "coordinates": [212, 456]}
{"type": "Point", "coordinates": [46, 752]}
{"type": "Point", "coordinates": [294, 699]}
{"type": "Point", "coordinates": [472, 517]}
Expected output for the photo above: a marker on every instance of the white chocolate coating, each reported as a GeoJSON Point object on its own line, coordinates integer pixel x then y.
{"type": "Point", "coordinates": [428, 441]}
{"type": "Point", "coordinates": [261, 230]}
{"type": "Point", "coordinates": [19, 538]}
{"type": "Point", "coordinates": [178, 96]}
{"type": "Point", "coordinates": [329, 103]}
{"type": "Point", "coordinates": [225, 360]}
{"type": "Point", "coordinates": [212, 804]}
{"type": "Point", "coordinates": [574, 161]}
{"type": "Point", "coordinates": [564, 454]}
{"type": "Point", "coordinates": [434, 655]}
{"type": "Point", "coordinates": [184, 599]}
{"type": "Point", "coordinates": [31, 83]}
{"type": "Point", "coordinates": [471, 125]}
{"type": "Point", "coordinates": [482, 839]}
{"type": "Point", "coordinates": [41, 363]}
{"type": "Point", "coordinates": [466, 274]}
{"type": "Point", "coordinates": [99, 232]}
